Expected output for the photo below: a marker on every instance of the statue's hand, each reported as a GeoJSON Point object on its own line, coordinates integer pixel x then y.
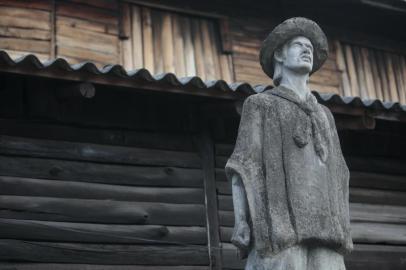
{"type": "Point", "coordinates": [241, 235]}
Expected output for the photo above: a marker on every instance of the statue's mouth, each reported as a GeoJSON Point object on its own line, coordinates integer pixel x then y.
{"type": "Point", "coordinates": [306, 58]}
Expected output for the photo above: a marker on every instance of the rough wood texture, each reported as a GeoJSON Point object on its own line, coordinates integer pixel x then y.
{"type": "Point", "coordinates": [100, 173]}
{"type": "Point", "coordinates": [96, 153]}
{"type": "Point", "coordinates": [207, 152]}
{"type": "Point", "coordinates": [372, 73]}
{"type": "Point", "coordinates": [89, 32]}
{"type": "Point", "coordinates": [91, 29]}
{"type": "Point", "coordinates": [102, 254]}
{"type": "Point", "coordinates": [100, 211]}
{"type": "Point", "coordinates": [64, 189]}
{"type": "Point", "coordinates": [143, 139]}
{"type": "Point", "coordinates": [54, 266]}
{"type": "Point", "coordinates": [100, 233]}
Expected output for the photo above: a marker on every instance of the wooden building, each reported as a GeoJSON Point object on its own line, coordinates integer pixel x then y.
{"type": "Point", "coordinates": [115, 132]}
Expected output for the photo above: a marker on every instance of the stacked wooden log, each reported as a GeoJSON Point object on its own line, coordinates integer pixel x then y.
{"type": "Point", "coordinates": [74, 195]}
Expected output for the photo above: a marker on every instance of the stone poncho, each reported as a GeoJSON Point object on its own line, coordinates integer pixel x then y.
{"type": "Point", "coordinates": [289, 159]}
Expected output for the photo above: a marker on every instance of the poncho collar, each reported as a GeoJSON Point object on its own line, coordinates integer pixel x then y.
{"type": "Point", "coordinates": [317, 129]}
{"type": "Point", "coordinates": [309, 105]}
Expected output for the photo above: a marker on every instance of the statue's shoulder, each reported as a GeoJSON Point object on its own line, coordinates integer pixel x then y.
{"type": "Point", "coordinates": [327, 112]}
{"type": "Point", "coordinates": [263, 99]}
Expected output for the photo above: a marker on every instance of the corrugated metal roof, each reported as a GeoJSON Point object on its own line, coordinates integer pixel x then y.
{"type": "Point", "coordinates": [86, 71]}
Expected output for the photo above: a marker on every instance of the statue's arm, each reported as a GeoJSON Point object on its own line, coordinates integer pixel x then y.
{"type": "Point", "coordinates": [241, 234]}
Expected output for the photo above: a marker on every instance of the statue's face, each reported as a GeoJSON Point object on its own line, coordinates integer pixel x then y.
{"type": "Point", "coordinates": [298, 55]}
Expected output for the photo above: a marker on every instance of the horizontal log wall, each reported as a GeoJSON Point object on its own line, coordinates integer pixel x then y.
{"type": "Point", "coordinates": [377, 210]}
{"type": "Point", "coordinates": [79, 198]}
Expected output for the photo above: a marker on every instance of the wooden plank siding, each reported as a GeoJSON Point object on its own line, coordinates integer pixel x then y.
{"type": "Point", "coordinates": [163, 41]}
{"type": "Point", "coordinates": [85, 32]}
{"type": "Point", "coordinates": [25, 28]}
{"type": "Point", "coordinates": [109, 32]}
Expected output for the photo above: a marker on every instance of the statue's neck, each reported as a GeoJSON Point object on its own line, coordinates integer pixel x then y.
{"type": "Point", "coordinates": [295, 81]}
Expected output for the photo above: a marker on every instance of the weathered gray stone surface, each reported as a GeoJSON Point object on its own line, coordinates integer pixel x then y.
{"type": "Point", "coordinates": [289, 177]}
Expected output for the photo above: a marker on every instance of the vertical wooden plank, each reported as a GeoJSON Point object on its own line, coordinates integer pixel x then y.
{"type": "Point", "coordinates": [124, 20]}
{"type": "Point", "coordinates": [156, 20]}
{"type": "Point", "coordinates": [215, 48]}
{"type": "Point", "coordinates": [206, 150]}
{"type": "Point", "coordinates": [179, 49]}
{"type": "Point", "coordinates": [352, 74]}
{"type": "Point", "coordinates": [375, 74]}
{"type": "Point", "coordinates": [340, 59]}
{"type": "Point", "coordinates": [136, 37]}
{"type": "Point", "coordinates": [198, 45]}
{"type": "Point", "coordinates": [126, 58]}
{"type": "Point", "coordinates": [53, 30]}
{"type": "Point", "coordinates": [167, 43]}
{"type": "Point", "coordinates": [147, 38]}
{"type": "Point", "coordinates": [403, 75]}
{"type": "Point", "coordinates": [397, 61]}
{"type": "Point", "coordinates": [231, 65]}
{"type": "Point", "coordinates": [369, 81]}
{"type": "Point", "coordinates": [359, 67]}
{"type": "Point", "coordinates": [126, 53]}
{"type": "Point", "coordinates": [391, 77]}
{"type": "Point", "coordinates": [189, 53]}
{"type": "Point", "coordinates": [384, 78]}
{"type": "Point", "coordinates": [226, 72]}
{"type": "Point", "coordinates": [225, 36]}
{"type": "Point", "coordinates": [208, 57]}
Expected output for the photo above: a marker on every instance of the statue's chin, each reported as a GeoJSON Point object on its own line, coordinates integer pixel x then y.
{"type": "Point", "coordinates": [303, 68]}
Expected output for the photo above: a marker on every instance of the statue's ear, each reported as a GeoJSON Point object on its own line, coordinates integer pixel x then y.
{"type": "Point", "coordinates": [279, 55]}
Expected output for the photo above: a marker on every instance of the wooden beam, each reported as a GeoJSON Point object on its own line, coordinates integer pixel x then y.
{"type": "Point", "coordinates": [30, 251]}
{"type": "Point", "coordinates": [76, 90]}
{"type": "Point", "coordinates": [100, 233]}
{"type": "Point", "coordinates": [90, 172]}
{"type": "Point", "coordinates": [124, 20]}
{"type": "Point", "coordinates": [345, 122]}
{"type": "Point", "coordinates": [101, 211]}
{"type": "Point", "coordinates": [65, 266]}
{"type": "Point", "coordinates": [96, 152]}
{"type": "Point", "coordinates": [206, 150]}
{"type": "Point", "coordinates": [136, 85]}
{"type": "Point", "coordinates": [53, 29]}
{"type": "Point", "coordinates": [169, 7]}
{"type": "Point", "coordinates": [21, 186]}
{"type": "Point", "coordinates": [225, 36]}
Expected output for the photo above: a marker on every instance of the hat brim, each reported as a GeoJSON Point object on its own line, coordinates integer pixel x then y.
{"type": "Point", "coordinates": [287, 30]}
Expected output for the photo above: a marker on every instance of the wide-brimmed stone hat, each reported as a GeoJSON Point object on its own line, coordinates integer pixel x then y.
{"type": "Point", "coordinates": [287, 30]}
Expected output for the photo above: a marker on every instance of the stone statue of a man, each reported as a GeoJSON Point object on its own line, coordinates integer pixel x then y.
{"type": "Point", "coordinates": [289, 177]}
